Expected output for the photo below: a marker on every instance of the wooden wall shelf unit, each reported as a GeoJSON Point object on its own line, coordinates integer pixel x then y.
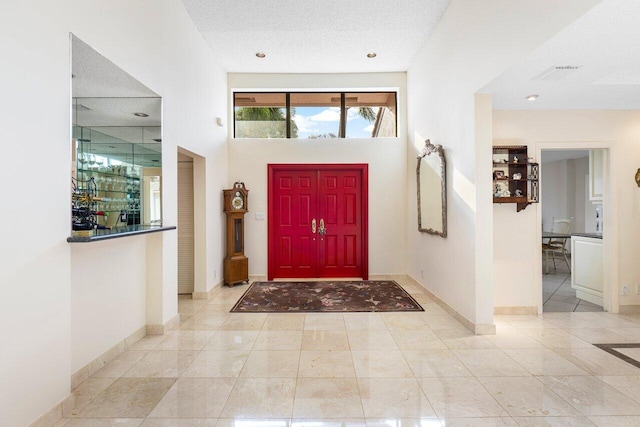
{"type": "Point", "coordinates": [515, 176]}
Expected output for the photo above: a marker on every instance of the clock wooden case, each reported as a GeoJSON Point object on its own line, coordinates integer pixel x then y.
{"type": "Point", "coordinates": [236, 264]}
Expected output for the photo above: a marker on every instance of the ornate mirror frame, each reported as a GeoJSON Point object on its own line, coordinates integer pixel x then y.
{"type": "Point", "coordinates": [430, 149]}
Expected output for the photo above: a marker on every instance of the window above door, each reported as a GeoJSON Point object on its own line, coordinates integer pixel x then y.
{"type": "Point", "coordinates": [315, 115]}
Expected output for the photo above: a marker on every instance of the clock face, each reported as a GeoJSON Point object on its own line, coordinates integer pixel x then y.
{"type": "Point", "coordinates": [237, 202]}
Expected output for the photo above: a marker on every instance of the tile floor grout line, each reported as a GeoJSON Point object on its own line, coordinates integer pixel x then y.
{"type": "Point", "coordinates": [554, 292]}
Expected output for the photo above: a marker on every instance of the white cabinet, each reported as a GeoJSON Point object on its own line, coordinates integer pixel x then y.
{"type": "Point", "coordinates": [587, 268]}
{"type": "Point", "coordinates": [596, 175]}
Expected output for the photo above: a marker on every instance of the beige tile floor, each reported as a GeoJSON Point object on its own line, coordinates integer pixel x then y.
{"type": "Point", "coordinates": [366, 369]}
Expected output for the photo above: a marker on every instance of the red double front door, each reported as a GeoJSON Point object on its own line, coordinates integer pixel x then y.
{"type": "Point", "coordinates": [317, 221]}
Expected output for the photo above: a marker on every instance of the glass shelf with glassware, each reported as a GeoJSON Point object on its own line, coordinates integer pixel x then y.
{"type": "Point", "coordinates": [110, 180]}
{"type": "Point", "coordinates": [106, 172]}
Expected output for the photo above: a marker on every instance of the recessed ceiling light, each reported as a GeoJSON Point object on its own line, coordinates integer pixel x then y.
{"type": "Point", "coordinates": [260, 55]}
{"type": "Point", "coordinates": [371, 55]}
{"type": "Point", "coordinates": [141, 114]}
{"type": "Point", "coordinates": [531, 97]}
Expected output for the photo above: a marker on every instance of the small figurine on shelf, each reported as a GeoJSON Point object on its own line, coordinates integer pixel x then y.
{"type": "Point", "coordinates": [517, 175]}
{"type": "Point", "coordinates": [515, 159]}
{"type": "Point", "coordinates": [496, 190]}
{"type": "Point", "coordinates": [505, 193]}
{"type": "Point", "coordinates": [518, 193]}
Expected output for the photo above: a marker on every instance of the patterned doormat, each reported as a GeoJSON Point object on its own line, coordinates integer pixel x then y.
{"type": "Point", "coordinates": [338, 296]}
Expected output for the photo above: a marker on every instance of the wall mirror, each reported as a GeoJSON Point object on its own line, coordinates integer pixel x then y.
{"type": "Point", "coordinates": [116, 145]}
{"type": "Point", "coordinates": [432, 190]}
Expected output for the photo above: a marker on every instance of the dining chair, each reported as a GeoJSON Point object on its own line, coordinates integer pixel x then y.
{"type": "Point", "coordinates": [557, 245]}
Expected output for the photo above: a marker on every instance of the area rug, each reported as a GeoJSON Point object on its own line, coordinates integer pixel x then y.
{"type": "Point", "coordinates": [333, 296]}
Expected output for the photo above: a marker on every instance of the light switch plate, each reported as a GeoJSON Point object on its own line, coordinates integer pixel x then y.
{"type": "Point", "coordinates": [259, 216]}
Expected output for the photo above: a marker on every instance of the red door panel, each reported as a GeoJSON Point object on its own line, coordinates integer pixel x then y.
{"type": "Point", "coordinates": [295, 248]}
{"type": "Point", "coordinates": [340, 207]}
{"type": "Point", "coordinates": [333, 195]}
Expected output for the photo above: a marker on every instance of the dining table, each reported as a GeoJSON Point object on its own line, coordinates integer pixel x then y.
{"type": "Point", "coordinates": [551, 235]}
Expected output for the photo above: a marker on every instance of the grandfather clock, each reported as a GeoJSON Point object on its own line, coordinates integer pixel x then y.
{"type": "Point", "coordinates": [236, 264]}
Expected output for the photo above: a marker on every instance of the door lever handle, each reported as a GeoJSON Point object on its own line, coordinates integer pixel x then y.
{"type": "Point", "coordinates": [313, 226]}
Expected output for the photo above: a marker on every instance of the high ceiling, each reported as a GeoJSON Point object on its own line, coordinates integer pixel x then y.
{"type": "Point", "coordinates": [333, 36]}
{"type": "Point", "coordinates": [316, 36]}
{"type": "Point", "coordinates": [605, 46]}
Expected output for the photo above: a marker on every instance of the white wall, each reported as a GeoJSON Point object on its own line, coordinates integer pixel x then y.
{"type": "Point", "coordinates": [108, 301]}
{"type": "Point", "coordinates": [473, 43]}
{"type": "Point", "coordinates": [154, 41]}
{"type": "Point", "coordinates": [553, 199]}
{"type": "Point", "coordinates": [248, 159]}
{"type": "Point", "coordinates": [516, 283]}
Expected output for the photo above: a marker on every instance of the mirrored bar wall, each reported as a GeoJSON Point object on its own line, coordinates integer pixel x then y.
{"type": "Point", "coordinates": [116, 172]}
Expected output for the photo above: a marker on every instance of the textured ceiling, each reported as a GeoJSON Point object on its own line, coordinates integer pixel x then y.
{"type": "Point", "coordinates": [96, 76]}
{"type": "Point", "coordinates": [604, 43]}
{"type": "Point", "coordinates": [316, 36]}
{"type": "Point", "coordinates": [91, 112]}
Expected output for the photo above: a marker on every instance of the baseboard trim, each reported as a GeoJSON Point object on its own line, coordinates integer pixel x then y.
{"type": "Point", "coordinates": [54, 415]}
{"type": "Point", "coordinates": [516, 310]}
{"type": "Point", "coordinates": [206, 294]}
{"type": "Point", "coordinates": [168, 326]}
{"type": "Point", "coordinates": [263, 277]}
{"type": "Point", "coordinates": [94, 366]}
{"type": "Point", "coordinates": [629, 309]}
{"type": "Point", "coordinates": [388, 276]}
{"type": "Point", "coordinates": [476, 328]}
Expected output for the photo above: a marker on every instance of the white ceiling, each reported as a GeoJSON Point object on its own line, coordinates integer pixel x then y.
{"type": "Point", "coordinates": [91, 112]}
{"type": "Point", "coordinates": [605, 43]}
{"type": "Point", "coordinates": [334, 36]}
{"type": "Point", "coordinates": [316, 36]}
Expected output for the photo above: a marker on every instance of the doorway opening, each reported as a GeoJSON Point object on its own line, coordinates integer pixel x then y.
{"type": "Point", "coordinates": [575, 272]}
{"type": "Point", "coordinates": [186, 245]}
{"type": "Point", "coordinates": [191, 224]}
{"type": "Point", "coordinates": [318, 221]}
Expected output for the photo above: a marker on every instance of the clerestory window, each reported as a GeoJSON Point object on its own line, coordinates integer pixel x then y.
{"type": "Point", "coordinates": [314, 115]}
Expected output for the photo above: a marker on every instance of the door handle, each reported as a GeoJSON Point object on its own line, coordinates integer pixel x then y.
{"type": "Point", "coordinates": [313, 226]}
{"type": "Point", "coordinates": [322, 231]}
